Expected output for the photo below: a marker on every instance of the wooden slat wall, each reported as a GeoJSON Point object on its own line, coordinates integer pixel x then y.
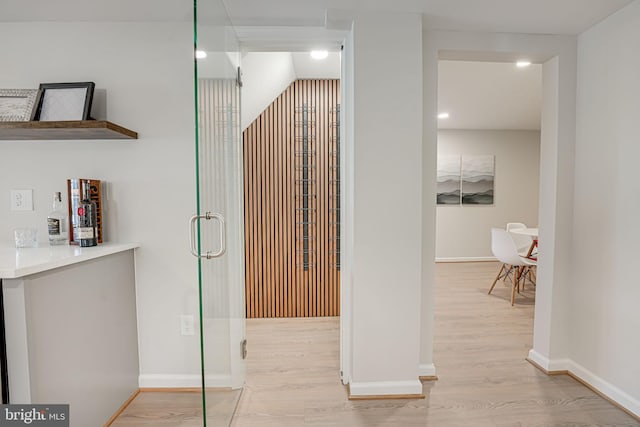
{"type": "Point", "coordinates": [278, 282]}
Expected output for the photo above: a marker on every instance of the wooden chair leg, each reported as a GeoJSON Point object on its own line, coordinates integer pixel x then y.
{"type": "Point", "coordinates": [516, 283]}
{"type": "Point", "coordinates": [497, 277]}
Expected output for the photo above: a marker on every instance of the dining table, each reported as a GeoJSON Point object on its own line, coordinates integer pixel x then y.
{"type": "Point", "coordinates": [531, 232]}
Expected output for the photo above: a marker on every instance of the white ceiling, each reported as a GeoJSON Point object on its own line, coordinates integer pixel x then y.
{"type": "Point", "coordinates": [297, 25]}
{"type": "Point", "coordinates": [489, 95]}
{"type": "Point", "coordinates": [523, 16]}
{"type": "Point", "coordinates": [303, 24]}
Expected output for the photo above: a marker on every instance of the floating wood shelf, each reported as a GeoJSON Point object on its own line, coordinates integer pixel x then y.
{"type": "Point", "coordinates": [82, 129]}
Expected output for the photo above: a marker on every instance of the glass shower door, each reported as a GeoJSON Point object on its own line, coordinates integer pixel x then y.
{"type": "Point", "coordinates": [217, 228]}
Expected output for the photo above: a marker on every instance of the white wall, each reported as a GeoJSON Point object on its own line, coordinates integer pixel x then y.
{"type": "Point", "coordinates": [604, 320]}
{"type": "Point", "coordinates": [387, 210]}
{"type": "Point", "coordinates": [265, 75]}
{"type": "Point", "coordinates": [146, 70]}
{"type": "Point", "coordinates": [463, 231]}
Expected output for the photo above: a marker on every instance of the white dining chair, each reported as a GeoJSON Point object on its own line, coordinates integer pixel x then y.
{"type": "Point", "coordinates": [505, 250]}
{"type": "Point", "coordinates": [523, 243]}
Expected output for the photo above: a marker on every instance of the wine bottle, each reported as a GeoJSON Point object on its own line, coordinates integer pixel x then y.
{"type": "Point", "coordinates": [57, 222]}
{"type": "Point", "coordinates": [85, 229]}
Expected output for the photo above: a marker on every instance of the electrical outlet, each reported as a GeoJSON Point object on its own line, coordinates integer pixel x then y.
{"type": "Point", "coordinates": [187, 325]}
{"type": "Point", "coordinates": [21, 200]}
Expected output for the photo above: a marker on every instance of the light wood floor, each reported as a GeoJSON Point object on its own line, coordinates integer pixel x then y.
{"type": "Point", "coordinates": [480, 347]}
{"type": "Point", "coordinates": [179, 409]}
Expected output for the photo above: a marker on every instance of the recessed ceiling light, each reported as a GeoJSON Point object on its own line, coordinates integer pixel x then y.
{"type": "Point", "coordinates": [201, 54]}
{"type": "Point", "coordinates": [319, 54]}
{"type": "Point", "coordinates": [523, 64]}
{"type": "Point", "coordinates": [443, 115]}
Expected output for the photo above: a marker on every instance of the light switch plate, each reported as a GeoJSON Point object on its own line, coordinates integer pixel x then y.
{"type": "Point", "coordinates": [21, 200]}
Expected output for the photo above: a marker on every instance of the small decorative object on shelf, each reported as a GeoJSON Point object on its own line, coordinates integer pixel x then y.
{"type": "Point", "coordinates": [57, 222]}
{"type": "Point", "coordinates": [77, 189]}
{"type": "Point", "coordinates": [18, 105]}
{"type": "Point", "coordinates": [65, 101]}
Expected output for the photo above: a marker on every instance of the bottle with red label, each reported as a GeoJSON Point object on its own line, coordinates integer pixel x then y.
{"type": "Point", "coordinates": [85, 230]}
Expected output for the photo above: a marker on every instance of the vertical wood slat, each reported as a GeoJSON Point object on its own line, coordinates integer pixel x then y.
{"type": "Point", "coordinates": [296, 250]}
{"type": "Point", "coordinates": [291, 295]}
{"type": "Point", "coordinates": [277, 163]}
{"type": "Point", "coordinates": [277, 284]}
{"type": "Point", "coordinates": [269, 211]}
{"type": "Point", "coordinates": [311, 276]}
{"type": "Point", "coordinates": [262, 297]}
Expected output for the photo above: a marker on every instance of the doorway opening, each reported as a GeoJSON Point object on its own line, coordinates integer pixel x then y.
{"type": "Point", "coordinates": [291, 127]}
{"type": "Point", "coordinates": [488, 175]}
{"type": "Point", "coordinates": [488, 149]}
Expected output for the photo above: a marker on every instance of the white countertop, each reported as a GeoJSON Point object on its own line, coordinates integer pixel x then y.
{"type": "Point", "coordinates": [21, 262]}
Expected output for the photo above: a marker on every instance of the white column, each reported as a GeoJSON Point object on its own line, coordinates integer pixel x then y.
{"type": "Point", "coordinates": [429, 160]}
{"type": "Point", "coordinates": [386, 273]}
{"type": "Point", "coordinates": [557, 147]}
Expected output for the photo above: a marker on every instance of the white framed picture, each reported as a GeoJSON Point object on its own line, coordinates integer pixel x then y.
{"type": "Point", "coordinates": [18, 105]}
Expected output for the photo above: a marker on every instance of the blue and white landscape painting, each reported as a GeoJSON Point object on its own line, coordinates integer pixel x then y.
{"type": "Point", "coordinates": [477, 180]}
{"type": "Point", "coordinates": [448, 187]}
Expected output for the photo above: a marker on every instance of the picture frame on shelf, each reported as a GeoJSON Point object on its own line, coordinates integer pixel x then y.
{"type": "Point", "coordinates": [65, 101]}
{"type": "Point", "coordinates": [18, 105]}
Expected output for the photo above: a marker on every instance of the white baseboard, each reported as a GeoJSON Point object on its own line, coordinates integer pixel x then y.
{"type": "Point", "coordinates": [428, 370]}
{"type": "Point", "coordinates": [592, 380]}
{"type": "Point", "coordinates": [606, 388]}
{"type": "Point", "coordinates": [183, 381]}
{"type": "Point", "coordinates": [465, 259]}
{"type": "Point", "coordinates": [385, 388]}
{"type": "Point", "coordinates": [549, 365]}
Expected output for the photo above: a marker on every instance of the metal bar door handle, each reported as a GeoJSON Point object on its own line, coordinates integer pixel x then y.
{"type": "Point", "coordinates": [221, 228]}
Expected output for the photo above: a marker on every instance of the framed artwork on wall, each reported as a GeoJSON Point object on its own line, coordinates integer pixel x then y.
{"type": "Point", "coordinates": [477, 179]}
{"type": "Point", "coordinates": [448, 182]}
